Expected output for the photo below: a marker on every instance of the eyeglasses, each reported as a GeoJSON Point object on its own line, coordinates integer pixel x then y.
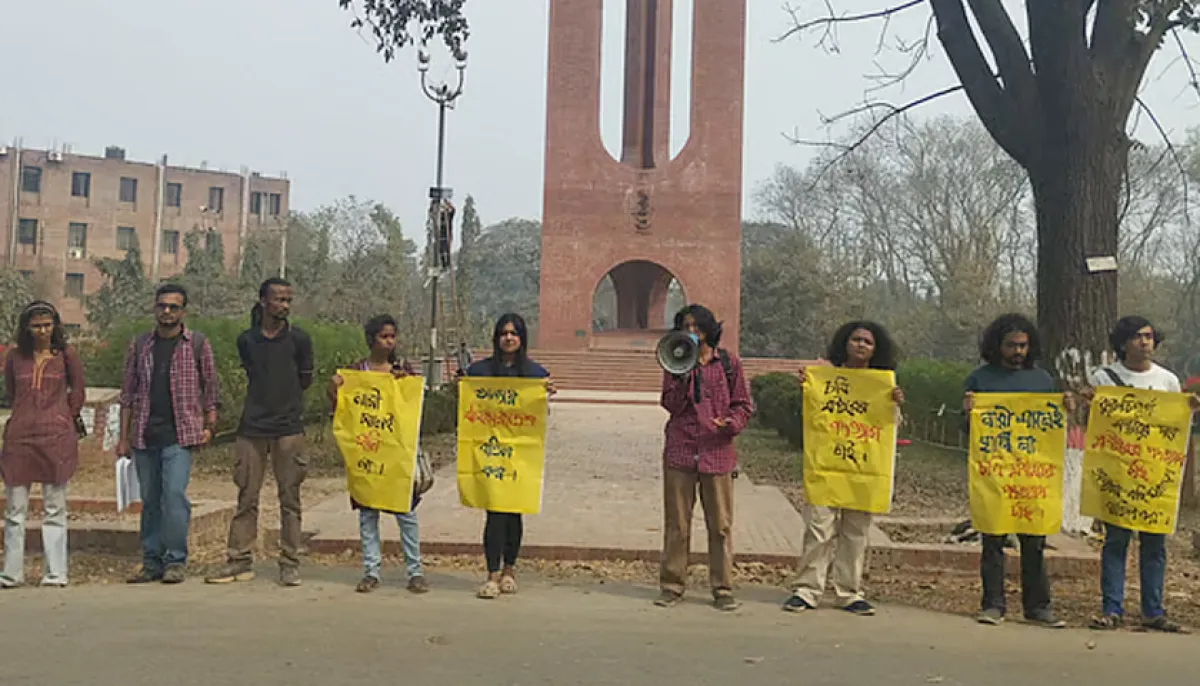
{"type": "Point", "coordinates": [168, 307]}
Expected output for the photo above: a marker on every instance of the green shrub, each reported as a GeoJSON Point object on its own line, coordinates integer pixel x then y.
{"type": "Point", "coordinates": [440, 414]}
{"type": "Point", "coordinates": [779, 402]}
{"type": "Point", "coordinates": [933, 391]}
{"type": "Point", "coordinates": [334, 346]}
{"type": "Point", "coordinates": [932, 388]}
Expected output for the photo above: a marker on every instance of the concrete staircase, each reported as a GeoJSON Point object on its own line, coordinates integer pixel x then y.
{"type": "Point", "coordinates": [627, 370]}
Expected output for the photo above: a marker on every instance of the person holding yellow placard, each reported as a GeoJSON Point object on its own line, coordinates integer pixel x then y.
{"type": "Point", "coordinates": [503, 531]}
{"type": "Point", "coordinates": [1134, 339]}
{"type": "Point", "coordinates": [380, 332]}
{"type": "Point", "coordinates": [835, 540]}
{"type": "Point", "coordinates": [1010, 348]}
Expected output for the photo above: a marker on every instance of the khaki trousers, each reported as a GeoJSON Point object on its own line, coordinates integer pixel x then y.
{"type": "Point", "coordinates": [834, 538]}
{"type": "Point", "coordinates": [290, 466]}
{"type": "Point", "coordinates": [679, 501]}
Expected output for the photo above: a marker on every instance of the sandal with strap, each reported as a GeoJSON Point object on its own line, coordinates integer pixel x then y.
{"type": "Point", "coordinates": [508, 584]}
{"type": "Point", "coordinates": [1106, 623]}
{"type": "Point", "coordinates": [489, 590]}
{"type": "Point", "coordinates": [1167, 626]}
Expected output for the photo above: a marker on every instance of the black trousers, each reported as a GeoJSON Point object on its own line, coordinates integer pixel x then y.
{"type": "Point", "coordinates": [1035, 585]}
{"type": "Point", "coordinates": [502, 539]}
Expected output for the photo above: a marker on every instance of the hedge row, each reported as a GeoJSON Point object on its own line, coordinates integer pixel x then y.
{"type": "Point", "coordinates": [335, 346]}
{"type": "Point", "coordinates": [932, 388]}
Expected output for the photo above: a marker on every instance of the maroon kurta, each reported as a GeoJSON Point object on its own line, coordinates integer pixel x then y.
{"type": "Point", "coordinates": [40, 445]}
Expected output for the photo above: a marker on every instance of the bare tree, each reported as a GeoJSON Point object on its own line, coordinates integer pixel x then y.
{"type": "Point", "coordinates": [1058, 103]}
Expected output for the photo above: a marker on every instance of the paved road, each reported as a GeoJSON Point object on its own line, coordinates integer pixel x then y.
{"type": "Point", "coordinates": [325, 634]}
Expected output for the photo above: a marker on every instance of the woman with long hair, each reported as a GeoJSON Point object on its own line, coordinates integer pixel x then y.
{"type": "Point", "coordinates": [380, 332]}
{"type": "Point", "coordinates": [835, 539]}
{"type": "Point", "coordinates": [43, 379]}
{"type": "Point", "coordinates": [503, 530]}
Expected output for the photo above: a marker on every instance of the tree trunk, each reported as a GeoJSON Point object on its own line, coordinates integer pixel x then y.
{"type": "Point", "coordinates": [1076, 188]}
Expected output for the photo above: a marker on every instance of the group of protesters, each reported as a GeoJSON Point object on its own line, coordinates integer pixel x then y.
{"type": "Point", "coordinates": [170, 404]}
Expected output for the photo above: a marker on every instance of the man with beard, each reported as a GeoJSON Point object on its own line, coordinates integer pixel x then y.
{"type": "Point", "coordinates": [1010, 348]}
{"type": "Point", "coordinates": [278, 359]}
{"type": "Point", "coordinates": [168, 407]}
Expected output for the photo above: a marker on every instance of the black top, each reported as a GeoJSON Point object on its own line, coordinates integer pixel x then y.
{"type": "Point", "coordinates": [530, 369]}
{"type": "Point", "coordinates": [160, 428]}
{"type": "Point", "coordinates": [992, 378]}
{"type": "Point", "coordinates": [278, 371]}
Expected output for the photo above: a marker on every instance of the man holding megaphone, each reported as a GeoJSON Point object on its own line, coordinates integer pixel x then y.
{"type": "Point", "coordinates": [706, 395]}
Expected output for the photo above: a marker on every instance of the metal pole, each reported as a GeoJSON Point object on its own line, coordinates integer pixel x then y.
{"type": "Point", "coordinates": [14, 223]}
{"type": "Point", "coordinates": [434, 229]}
{"type": "Point", "coordinates": [283, 250]}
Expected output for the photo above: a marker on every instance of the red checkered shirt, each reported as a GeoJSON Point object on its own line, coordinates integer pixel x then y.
{"type": "Point", "coordinates": [190, 396]}
{"type": "Point", "coordinates": [692, 441]}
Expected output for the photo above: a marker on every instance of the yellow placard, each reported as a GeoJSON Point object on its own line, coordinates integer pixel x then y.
{"type": "Point", "coordinates": [377, 426]}
{"type": "Point", "coordinates": [849, 438]}
{"type": "Point", "coordinates": [501, 443]}
{"type": "Point", "coordinates": [1015, 470]}
{"type": "Point", "coordinates": [1133, 460]}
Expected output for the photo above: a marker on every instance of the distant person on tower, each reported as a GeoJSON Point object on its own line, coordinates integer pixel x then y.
{"type": "Point", "coordinates": [278, 359]}
{"type": "Point", "coordinates": [709, 407]}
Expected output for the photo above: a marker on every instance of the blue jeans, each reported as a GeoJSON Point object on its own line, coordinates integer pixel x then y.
{"type": "Point", "coordinates": [163, 476]}
{"type": "Point", "coordinates": [368, 531]}
{"type": "Point", "coordinates": [1152, 565]}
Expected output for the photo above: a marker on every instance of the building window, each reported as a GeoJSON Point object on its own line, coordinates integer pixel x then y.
{"type": "Point", "coordinates": [76, 241]}
{"type": "Point", "coordinates": [128, 189]}
{"type": "Point", "coordinates": [81, 184]}
{"type": "Point", "coordinates": [170, 244]}
{"type": "Point", "coordinates": [126, 238]}
{"type": "Point", "coordinates": [74, 286]}
{"type": "Point", "coordinates": [174, 194]}
{"type": "Point", "coordinates": [31, 179]}
{"type": "Point", "coordinates": [216, 199]}
{"type": "Point", "coordinates": [27, 232]}
{"type": "Point", "coordinates": [256, 203]}
{"type": "Point", "coordinates": [275, 203]}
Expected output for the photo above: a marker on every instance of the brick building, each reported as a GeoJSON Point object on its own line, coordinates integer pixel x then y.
{"type": "Point", "coordinates": [60, 210]}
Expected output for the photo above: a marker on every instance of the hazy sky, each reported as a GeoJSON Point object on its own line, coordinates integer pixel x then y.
{"type": "Point", "coordinates": [285, 85]}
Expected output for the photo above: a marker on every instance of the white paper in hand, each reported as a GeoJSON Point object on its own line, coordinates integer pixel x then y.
{"type": "Point", "coordinates": [128, 489]}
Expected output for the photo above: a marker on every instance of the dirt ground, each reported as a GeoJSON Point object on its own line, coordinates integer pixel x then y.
{"type": "Point", "coordinates": [553, 632]}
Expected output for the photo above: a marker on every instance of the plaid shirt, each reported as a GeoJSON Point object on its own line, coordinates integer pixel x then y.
{"type": "Point", "coordinates": [190, 402]}
{"type": "Point", "coordinates": [692, 441]}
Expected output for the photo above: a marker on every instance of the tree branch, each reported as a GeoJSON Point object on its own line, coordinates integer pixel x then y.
{"type": "Point", "coordinates": [1174, 152]}
{"type": "Point", "coordinates": [831, 20]}
{"type": "Point", "coordinates": [1012, 59]}
{"type": "Point", "coordinates": [846, 149]}
{"type": "Point", "coordinates": [991, 103]}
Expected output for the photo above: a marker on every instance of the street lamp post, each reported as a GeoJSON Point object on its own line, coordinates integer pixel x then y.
{"type": "Point", "coordinates": [444, 96]}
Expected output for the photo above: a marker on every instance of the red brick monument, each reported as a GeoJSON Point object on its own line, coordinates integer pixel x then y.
{"type": "Point", "coordinates": [645, 219]}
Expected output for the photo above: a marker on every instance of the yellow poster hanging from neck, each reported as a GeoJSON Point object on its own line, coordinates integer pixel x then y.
{"type": "Point", "coordinates": [377, 427]}
{"type": "Point", "coordinates": [1015, 465]}
{"type": "Point", "coordinates": [502, 443]}
{"type": "Point", "coordinates": [849, 438]}
{"type": "Point", "coordinates": [1133, 458]}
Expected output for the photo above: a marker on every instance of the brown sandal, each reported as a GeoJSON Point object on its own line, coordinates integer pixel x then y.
{"type": "Point", "coordinates": [1106, 623]}
{"type": "Point", "coordinates": [489, 590]}
{"type": "Point", "coordinates": [508, 583]}
{"type": "Point", "coordinates": [368, 584]}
